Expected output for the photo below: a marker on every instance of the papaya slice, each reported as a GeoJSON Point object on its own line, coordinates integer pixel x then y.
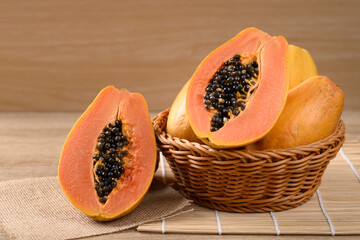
{"type": "Point", "coordinates": [108, 159]}
{"type": "Point", "coordinates": [238, 91]}
{"type": "Point", "coordinates": [312, 111]}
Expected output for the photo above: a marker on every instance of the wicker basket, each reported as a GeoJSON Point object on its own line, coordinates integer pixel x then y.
{"type": "Point", "coordinates": [236, 180]}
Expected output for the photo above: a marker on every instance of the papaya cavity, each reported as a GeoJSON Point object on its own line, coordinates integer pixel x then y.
{"type": "Point", "coordinates": [109, 159]}
{"type": "Point", "coordinates": [230, 88]}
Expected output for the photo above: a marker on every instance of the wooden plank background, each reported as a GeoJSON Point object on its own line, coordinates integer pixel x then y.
{"type": "Point", "coordinates": [56, 55]}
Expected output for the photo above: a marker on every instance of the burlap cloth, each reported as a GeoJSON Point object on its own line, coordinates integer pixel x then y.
{"type": "Point", "coordinates": [37, 208]}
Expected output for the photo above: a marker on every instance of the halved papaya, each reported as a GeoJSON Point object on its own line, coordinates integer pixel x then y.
{"type": "Point", "coordinates": [312, 111]}
{"type": "Point", "coordinates": [238, 91]}
{"type": "Point", "coordinates": [108, 159]}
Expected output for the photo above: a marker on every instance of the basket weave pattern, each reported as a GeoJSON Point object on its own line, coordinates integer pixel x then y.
{"type": "Point", "coordinates": [236, 180]}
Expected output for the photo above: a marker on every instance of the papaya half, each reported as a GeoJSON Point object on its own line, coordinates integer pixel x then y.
{"type": "Point", "coordinates": [312, 111]}
{"type": "Point", "coordinates": [238, 91]}
{"type": "Point", "coordinates": [108, 159]}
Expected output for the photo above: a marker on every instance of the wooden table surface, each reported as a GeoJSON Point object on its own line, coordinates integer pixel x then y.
{"type": "Point", "coordinates": [31, 143]}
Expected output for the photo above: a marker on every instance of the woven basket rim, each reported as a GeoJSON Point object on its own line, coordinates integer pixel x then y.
{"type": "Point", "coordinates": [339, 131]}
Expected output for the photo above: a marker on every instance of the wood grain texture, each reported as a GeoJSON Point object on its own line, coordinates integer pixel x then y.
{"type": "Point", "coordinates": [57, 55]}
{"type": "Point", "coordinates": [31, 144]}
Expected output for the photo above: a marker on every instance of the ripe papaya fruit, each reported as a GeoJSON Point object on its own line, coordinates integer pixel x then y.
{"type": "Point", "coordinates": [238, 91]}
{"type": "Point", "coordinates": [177, 122]}
{"type": "Point", "coordinates": [108, 159]}
{"type": "Point", "coordinates": [301, 65]}
{"type": "Point", "coordinates": [312, 111]}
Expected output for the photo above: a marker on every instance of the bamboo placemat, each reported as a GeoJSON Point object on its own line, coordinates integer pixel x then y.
{"type": "Point", "coordinates": [333, 210]}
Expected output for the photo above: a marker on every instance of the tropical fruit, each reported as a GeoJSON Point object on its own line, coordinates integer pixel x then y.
{"type": "Point", "coordinates": [301, 66]}
{"type": "Point", "coordinates": [177, 122]}
{"type": "Point", "coordinates": [238, 91]}
{"type": "Point", "coordinates": [312, 111]}
{"type": "Point", "coordinates": [108, 159]}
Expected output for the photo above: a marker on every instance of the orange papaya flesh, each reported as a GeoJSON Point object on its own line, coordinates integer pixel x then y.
{"type": "Point", "coordinates": [252, 108]}
{"type": "Point", "coordinates": [102, 172]}
{"type": "Point", "coordinates": [312, 111]}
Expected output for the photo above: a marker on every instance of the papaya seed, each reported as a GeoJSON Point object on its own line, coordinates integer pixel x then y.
{"type": "Point", "coordinates": [108, 165]}
{"type": "Point", "coordinates": [230, 83]}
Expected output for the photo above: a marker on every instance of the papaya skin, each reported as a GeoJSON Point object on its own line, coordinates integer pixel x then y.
{"type": "Point", "coordinates": [301, 65]}
{"type": "Point", "coordinates": [311, 113]}
{"type": "Point", "coordinates": [177, 122]}
{"type": "Point", "coordinates": [266, 103]}
{"type": "Point", "coordinates": [75, 170]}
